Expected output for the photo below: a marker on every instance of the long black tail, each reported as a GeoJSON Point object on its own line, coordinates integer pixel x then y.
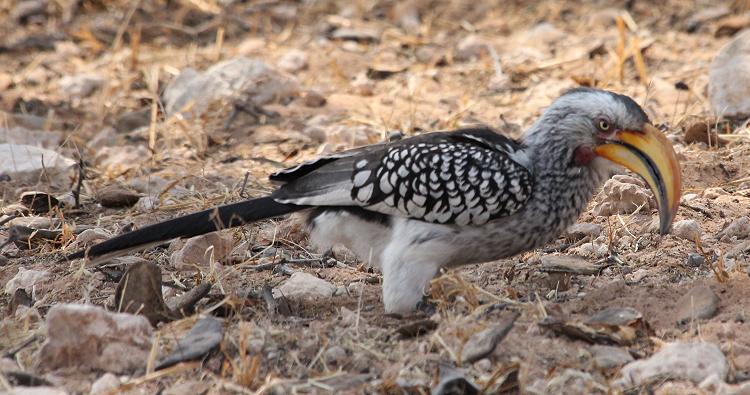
{"type": "Point", "coordinates": [221, 217]}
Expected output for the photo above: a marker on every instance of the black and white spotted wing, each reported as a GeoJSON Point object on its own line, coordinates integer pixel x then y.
{"type": "Point", "coordinates": [463, 177]}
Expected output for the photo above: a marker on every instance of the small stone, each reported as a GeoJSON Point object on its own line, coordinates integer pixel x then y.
{"type": "Point", "coordinates": [360, 35]}
{"type": "Point", "coordinates": [116, 197]}
{"type": "Point", "coordinates": [26, 279]}
{"type": "Point", "coordinates": [689, 197]}
{"type": "Point", "coordinates": [39, 202]}
{"type": "Point", "coordinates": [304, 286]}
{"type": "Point", "coordinates": [471, 47]}
{"type": "Point", "coordinates": [335, 355]}
{"type": "Point", "coordinates": [132, 120]}
{"type": "Point", "coordinates": [19, 298]}
{"type": "Point", "coordinates": [702, 133]}
{"type": "Point", "coordinates": [293, 61]}
{"type": "Point", "coordinates": [713, 193]}
{"type": "Point", "coordinates": [678, 361]}
{"type": "Point", "coordinates": [139, 292]}
{"type": "Point", "coordinates": [103, 384]}
{"type": "Point", "coordinates": [87, 337]}
{"type": "Point", "coordinates": [120, 159]}
{"type": "Point", "coordinates": [739, 229]}
{"type": "Point", "coordinates": [42, 390]}
{"type": "Point", "coordinates": [729, 79]}
{"type": "Point", "coordinates": [623, 194]}
{"type": "Point", "coordinates": [363, 85]}
{"type": "Point", "coordinates": [699, 303]}
{"type": "Point", "coordinates": [482, 343]}
{"type": "Point", "coordinates": [577, 232]}
{"type": "Point", "coordinates": [89, 237]}
{"type": "Point", "coordinates": [687, 229]}
{"type": "Point", "coordinates": [608, 357]}
{"type": "Point", "coordinates": [203, 337]}
{"type": "Point", "coordinates": [695, 260]}
{"type": "Point", "coordinates": [80, 86]}
{"type": "Point", "coordinates": [195, 252]}
{"type": "Point", "coordinates": [314, 99]}
{"type": "Point", "coordinates": [568, 264]}
{"type": "Point", "coordinates": [193, 387]}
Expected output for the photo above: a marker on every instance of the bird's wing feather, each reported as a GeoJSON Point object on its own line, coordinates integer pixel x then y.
{"type": "Point", "coordinates": [465, 177]}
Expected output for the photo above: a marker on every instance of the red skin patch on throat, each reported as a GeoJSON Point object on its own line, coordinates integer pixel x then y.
{"type": "Point", "coordinates": [583, 155]}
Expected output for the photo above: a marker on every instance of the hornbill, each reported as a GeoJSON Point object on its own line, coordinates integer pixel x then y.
{"type": "Point", "coordinates": [445, 199]}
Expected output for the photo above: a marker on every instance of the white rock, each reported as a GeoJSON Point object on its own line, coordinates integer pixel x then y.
{"type": "Point", "coordinates": [196, 252]}
{"type": "Point", "coordinates": [623, 194]}
{"type": "Point", "coordinates": [729, 78]}
{"type": "Point", "coordinates": [293, 61]}
{"type": "Point", "coordinates": [688, 197]}
{"type": "Point", "coordinates": [107, 382]}
{"type": "Point", "coordinates": [304, 286]}
{"type": "Point", "coordinates": [739, 228]}
{"type": "Point", "coordinates": [36, 391]}
{"type": "Point", "coordinates": [678, 361]}
{"type": "Point", "coordinates": [687, 229]}
{"type": "Point", "coordinates": [471, 47]}
{"type": "Point", "coordinates": [240, 78]}
{"type": "Point", "coordinates": [608, 357]}
{"type": "Point", "coordinates": [87, 337]}
{"type": "Point", "coordinates": [24, 163]}
{"type": "Point", "coordinates": [713, 193]}
{"type": "Point", "coordinates": [26, 279]}
{"type": "Point", "coordinates": [90, 237]}
{"type": "Point", "coordinates": [80, 85]}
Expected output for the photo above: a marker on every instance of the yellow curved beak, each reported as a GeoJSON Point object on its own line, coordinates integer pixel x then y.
{"type": "Point", "coordinates": [649, 154]}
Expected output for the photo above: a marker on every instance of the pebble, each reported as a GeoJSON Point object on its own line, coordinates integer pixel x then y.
{"type": "Point", "coordinates": [26, 279]}
{"type": "Point", "coordinates": [482, 343]}
{"type": "Point", "coordinates": [335, 355]}
{"type": "Point", "coordinates": [132, 120]}
{"type": "Point", "coordinates": [470, 47]}
{"type": "Point", "coordinates": [202, 338]}
{"type": "Point", "coordinates": [608, 357]}
{"type": "Point", "coordinates": [695, 259]}
{"type": "Point", "coordinates": [689, 197]}
{"type": "Point", "coordinates": [314, 99]}
{"type": "Point", "coordinates": [714, 192]}
{"type": "Point", "coordinates": [678, 361]}
{"type": "Point", "coordinates": [250, 80]}
{"type": "Point", "coordinates": [87, 337]}
{"type": "Point", "coordinates": [116, 197]}
{"type": "Point", "coordinates": [195, 251]}
{"type": "Point", "coordinates": [304, 286]}
{"type": "Point", "coordinates": [622, 194]}
{"type": "Point", "coordinates": [42, 390]}
{"type": "Point", "coordinates": [739, 228]}
{"type": "Point", "coordinates": [729, 78]}
{"type": "Point", "coordinates": [699, 303]}
{"type": "Point", "coordinates": [139, 292]}
{"type": "Point", "coordinates": [188, 387]}
{"type": "Point", "coordinates": [293, 61]}
{"type": "Point", "coordinates": [687, 229]}
{"type": "Point", "coordinates": [89, 237]}
{"type": "Point", "coordinates": [103, 384]}
{"type": "Point", "coordinates": [577, 232]}
{"type": "Point", "coordinates": [80, 86]}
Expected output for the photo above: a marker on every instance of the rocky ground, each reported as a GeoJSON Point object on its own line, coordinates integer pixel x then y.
{"type": "Point", "coordinates": [119, 114]}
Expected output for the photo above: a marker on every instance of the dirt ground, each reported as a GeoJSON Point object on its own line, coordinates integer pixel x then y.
{"type": "Point", "coordinates": [411, 66]}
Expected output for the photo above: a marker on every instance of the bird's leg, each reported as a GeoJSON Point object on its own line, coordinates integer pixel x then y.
{"type": "Point", "coordinates": [404, 283]}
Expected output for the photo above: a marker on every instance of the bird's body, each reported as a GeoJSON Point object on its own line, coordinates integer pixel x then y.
{"type": "Point", "coordinates": [445, 199]}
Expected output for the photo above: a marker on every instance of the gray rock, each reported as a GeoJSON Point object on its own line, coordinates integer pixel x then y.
{"type": "Point", "coordinates": [687, 229]}
{"type": "Point", "coordinates": [35, 137]}
{"type": "Point", "coordinates": [86, 337]}
{"type": "Point", "coordinates": [43, 390]}
{"type": "Point", "coordinates": [196, 387]}
{"type": "Point", "coordinates": [133, 120]}
{"type": "Point", "coordinates": [579, 231]}
{"type": "Point", "coordinates": [695, 260]}
{"type": "Point", "coordinates": [203, 337]}
{"type": "Point", "coordinates": [80, 86]}
{"type": "Point", "coordinates": [572, 381]}
{"type": "Point", "coordinates": [729, 78]}
{"type": "Point", "coordinates": [304, 286]}
{"type": "Point", "coordinates": [608, 357]}
{"type": "Point", "coordinates": [248, 80]}
{"type": "Point", "coordinates": [678, 361]}
{"type": "Point", "coordinates": [24, 164]}
{"type": "Point", "coordinates": [739, 228]}
{"type": "Point", "coordinates": [484, 342]}
{"type": "Point", "coordinates": [104, 384]}
{"type": "Point", "coordinates": [699, 303]}
{"type": "Point", "coordinates": [293, 61]}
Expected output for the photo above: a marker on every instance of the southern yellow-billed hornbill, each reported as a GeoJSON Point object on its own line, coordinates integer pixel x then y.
{"type": "Point", "coordinates": [452, 198]}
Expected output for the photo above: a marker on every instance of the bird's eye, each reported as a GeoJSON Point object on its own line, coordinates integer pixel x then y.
{"type": "Point", "coordinates": [603, 125]}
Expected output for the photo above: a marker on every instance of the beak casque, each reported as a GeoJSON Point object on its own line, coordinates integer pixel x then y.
{"type": "Point", "coordinates": [649, 154]}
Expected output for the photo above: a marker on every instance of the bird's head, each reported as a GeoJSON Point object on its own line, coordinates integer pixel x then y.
{"type": "Point", "coordinates": [591, 129]}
